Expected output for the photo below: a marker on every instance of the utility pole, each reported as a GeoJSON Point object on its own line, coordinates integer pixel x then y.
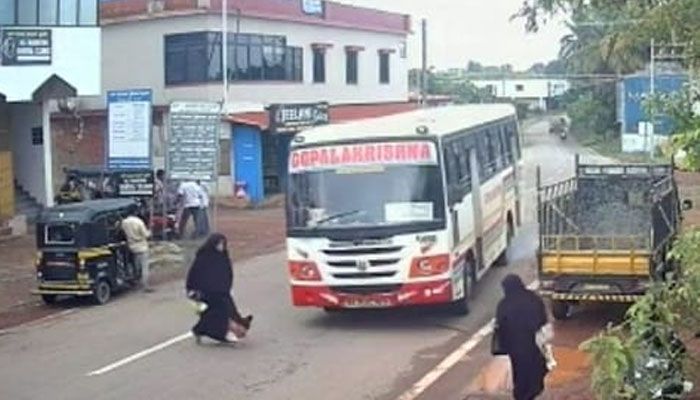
{"type": "Point", "coordinates": [224, 107]}
{"type": "Point", "coordinates": [652, 91]}
{"type": "Point", "coordinates": [424, 65]}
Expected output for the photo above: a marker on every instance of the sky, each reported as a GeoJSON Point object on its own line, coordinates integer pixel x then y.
{"type": "Point", "coordinates": [478, 30]}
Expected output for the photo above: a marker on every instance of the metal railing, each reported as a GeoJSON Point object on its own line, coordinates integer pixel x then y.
{"type": "Point", "coordinates": [563, 243]}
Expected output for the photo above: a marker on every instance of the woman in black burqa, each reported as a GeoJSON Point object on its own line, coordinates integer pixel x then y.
{"type": "Point", "coordinates": [210, 280]}
{"type": "Point", "coordinates": [520, 315]}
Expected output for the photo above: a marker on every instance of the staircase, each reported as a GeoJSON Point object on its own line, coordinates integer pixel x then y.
{"type": "Point", "coordinates": [26, 204]}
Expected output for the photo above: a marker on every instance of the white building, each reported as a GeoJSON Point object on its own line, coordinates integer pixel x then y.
{"type": "Point", "coordinates": [535, 91]}
{"type": "Point", "coordinates": [49, 51]}
{"type": "Point", "coordinates": [279, 52]}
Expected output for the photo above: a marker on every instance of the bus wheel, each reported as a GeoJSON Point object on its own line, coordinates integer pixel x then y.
{"type": "Point", "coordinates": [461, 306]}
{"type": "Point", "coordinates": [561, 310]}
{"type": "Point", "coordinates": [49, 299]}
{"type": "Point", "coordinates": [103, 292]}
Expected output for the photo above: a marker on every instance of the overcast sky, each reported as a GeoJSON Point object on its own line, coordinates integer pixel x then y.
{"type": "Point", "coordinates": [479, 30]}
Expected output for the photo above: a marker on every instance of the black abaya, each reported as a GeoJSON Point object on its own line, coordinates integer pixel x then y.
{"type": "Point", "coordinates": [519, 316]}
{"type": "Point", "coordinates": [211, 277]}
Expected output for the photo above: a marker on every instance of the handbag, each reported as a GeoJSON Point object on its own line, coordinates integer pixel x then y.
{"type": "Point", "coordinates": [496, 345]}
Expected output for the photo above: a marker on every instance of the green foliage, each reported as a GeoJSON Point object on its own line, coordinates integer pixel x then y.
{"type": "Point", "coordinates": [591, 110]}
{"type": "Point", "coordinates": [668, 307]}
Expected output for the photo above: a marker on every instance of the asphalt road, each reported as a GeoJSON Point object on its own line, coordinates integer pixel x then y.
{"type": "Point", "coordinates": [290, 354]}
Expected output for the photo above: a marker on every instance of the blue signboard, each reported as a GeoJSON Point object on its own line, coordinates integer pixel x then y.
{"type": "Point", "coordinates": [129, 129]}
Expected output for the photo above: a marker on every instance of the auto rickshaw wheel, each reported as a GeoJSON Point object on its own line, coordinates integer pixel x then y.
{"type": "Point", "coordinates": [49, 299]}
{"type": "Point", "coordinates": [103, 292]}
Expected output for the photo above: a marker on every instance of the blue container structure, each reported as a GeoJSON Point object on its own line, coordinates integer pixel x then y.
{"type": "Point", "coordinates": [248, 162]}
{"type": "Point", "coordinates": [634, 90]}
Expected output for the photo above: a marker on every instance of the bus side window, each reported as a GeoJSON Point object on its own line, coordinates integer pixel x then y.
{"type": "Point", "coordinates": [514, 137]}
{"type": "Point", "coordinates": [490, 155]}
{"type": "Point", "coordinates": [499, 161]}
{"type": "Point", "coordinates": [506, 145]}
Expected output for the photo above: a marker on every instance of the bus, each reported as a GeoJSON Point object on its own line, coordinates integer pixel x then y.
{"type": "Point", "coordinates": [409, 209]}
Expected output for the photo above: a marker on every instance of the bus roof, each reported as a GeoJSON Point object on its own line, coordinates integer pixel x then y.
{"type": "Point", "coordinates": [440, 121]}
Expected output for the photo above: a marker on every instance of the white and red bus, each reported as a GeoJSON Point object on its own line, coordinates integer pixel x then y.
{"type": "Point", "coordinates": [402, 210]}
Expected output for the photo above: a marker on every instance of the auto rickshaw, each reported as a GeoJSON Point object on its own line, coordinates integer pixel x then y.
{"type": "Point", "coordinates": [83, 252]}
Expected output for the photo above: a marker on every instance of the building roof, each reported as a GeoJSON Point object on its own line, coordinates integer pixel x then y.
{"type": "Point", "coordinates": [439, 121]}
{"type": "Point", "coordinates": [336, 14]}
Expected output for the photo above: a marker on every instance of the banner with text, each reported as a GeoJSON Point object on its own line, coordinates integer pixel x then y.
{"type": "Point", "coordinates": [129, 132]}
{"type": "Point", "coordinates": [193, 142]}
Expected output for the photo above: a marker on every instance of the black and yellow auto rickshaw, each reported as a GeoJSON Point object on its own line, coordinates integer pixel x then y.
{"type": "Point", "coordinates": [82, 250]}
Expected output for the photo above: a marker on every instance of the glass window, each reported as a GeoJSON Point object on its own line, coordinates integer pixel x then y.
{"type": "Point", "coordinates": [351, 62]}
{"type": "Point", "coordinates": [27, 12]}
{"type": "Point", "coordinates": [7, 12]}
{"type": "Point", "coordinates": [319, 66]}
{"type": "Point", "coordinates": [255, 62]}
{"type": "Point", "coordinates": [68, 12]}
{"type": "Point", "coordinates": [60, 233]}
{"type": "Point", "coordinates": [88, 12]}
{"type": "Point", "coordinates": [298, 65]}
{"type": "Point", "coordinates": [48, 12]}
{"type": "Point", "coordinates": [242, 64]}
{"type": "Point", "coordinates": [384, 68]}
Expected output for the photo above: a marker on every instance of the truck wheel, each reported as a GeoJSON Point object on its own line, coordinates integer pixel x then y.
{"type": "Point", "coordinates": [461, 306]}
{"type": "Point", "coordinates": [49, 299]}
{"type": "Point", "coordinates": [561, 310]}
{"type": "Point", "coordinates": [103, 292]}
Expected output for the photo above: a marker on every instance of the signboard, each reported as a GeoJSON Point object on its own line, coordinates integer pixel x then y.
{"type": "Point", "coordinates": [129, 131]}
{"type": "Point", "coordinates": [313, 7]}
{"type": "Point", "coordinates": [366, 154]}
{"type": "Point", "coordinates": [193, 142]}
{"type": "Point", "coordinates": [291, 118]}
{"type": "Point", "coordinates": [135, 183]}
{"type": "Point", "coordinates": [25, 46]}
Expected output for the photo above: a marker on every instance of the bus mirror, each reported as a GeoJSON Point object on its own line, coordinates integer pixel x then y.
{"type": "Point", "coordinates": [687, 204]}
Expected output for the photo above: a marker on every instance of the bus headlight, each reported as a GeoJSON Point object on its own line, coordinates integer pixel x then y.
{"type": "Point", "coordinates": [429, 266]}
{"type": "Point", "coordinates": [304, 271]}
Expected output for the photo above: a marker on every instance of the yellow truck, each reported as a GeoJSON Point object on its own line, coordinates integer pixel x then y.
{"type": "Point", "coordinates": [604, 233]}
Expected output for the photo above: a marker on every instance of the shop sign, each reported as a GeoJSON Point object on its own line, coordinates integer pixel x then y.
{"type": "Point", "coordinates": [135, 183]}
{"type": "Point", "coordinates": [292, 118]}
{"type": "Point", "coordinates": [313, 7]}
{"type": "Point", "coordinates": [25, 46]}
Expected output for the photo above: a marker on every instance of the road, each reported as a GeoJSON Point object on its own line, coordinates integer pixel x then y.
{"type": "Point", "coordinates": [290, 354]}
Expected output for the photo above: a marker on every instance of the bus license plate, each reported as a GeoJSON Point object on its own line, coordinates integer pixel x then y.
{"type": "Point", "coordinates": [367, 302]}
{"type": "Point", "coordinates": [596, 287]}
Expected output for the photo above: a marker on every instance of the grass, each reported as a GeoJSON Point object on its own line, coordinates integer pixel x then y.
{"type": "Point", "coordinates": [611, 147]}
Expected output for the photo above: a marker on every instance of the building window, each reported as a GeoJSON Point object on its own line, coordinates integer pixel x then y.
{"type": "Point", "coordinates": [384, 68]}
{"type": "Point", "coordinates": [319, 65]}
{"type": "Point", "coordinates": [351, 61]}
{"type": "Point", "coordinates": [7, 12]}
{"type": "Point", "coordinates": [519, 88]}
{"type": "Point", "coordinates": [48, 12]}
{"type": "Point", "coordinates": [196, 58]}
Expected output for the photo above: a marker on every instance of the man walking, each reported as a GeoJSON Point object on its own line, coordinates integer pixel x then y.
{"type": "Point", "coordinates": [137, 235]}
{"type": "Point", "coordinates": [190, 197]}
{"type": "Point", "coordinates": [203, 227]}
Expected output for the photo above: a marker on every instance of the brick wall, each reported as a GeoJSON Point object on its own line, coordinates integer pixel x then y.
{"type": "Point", "coordinates": [70, 150]}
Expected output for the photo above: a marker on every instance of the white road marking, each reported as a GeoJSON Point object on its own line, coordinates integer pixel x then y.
{"type": "Point", "coordinates": [141, 354]}
{"type": "Point", "coordinates": [452, 359]}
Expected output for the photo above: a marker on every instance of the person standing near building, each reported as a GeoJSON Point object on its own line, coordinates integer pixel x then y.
{"type": "Point", "coordinates": [520, 317]}
{"type": "Point", "coordinates": [190, 198]}
{"type": "Point", "coordinates": [203, 226]}
{"type": "Point", "coordinates": [137, 235]}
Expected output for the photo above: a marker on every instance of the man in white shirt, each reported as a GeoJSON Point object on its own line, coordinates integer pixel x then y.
{"type": "Point", "coordinates": [203, 227]}
{"type": "Point", "coordinates": [137, 235]}
{"type": "Point", "coordinates": [189, 193]}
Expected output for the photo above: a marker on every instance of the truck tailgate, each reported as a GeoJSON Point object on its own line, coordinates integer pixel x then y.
{"type": "Point", "coordinates": [616, 263]}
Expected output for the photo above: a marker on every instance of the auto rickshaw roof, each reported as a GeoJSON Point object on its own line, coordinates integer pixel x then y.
{"type": "Point", "coordinates": [84, 211]}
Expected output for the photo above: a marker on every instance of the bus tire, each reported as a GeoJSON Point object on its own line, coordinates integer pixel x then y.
{"type": "Point", "coordinates": [461, 306]}
{"type": "Point", "coordinates": [49, 299]}
{"type": "Point", "coordinates": [561, 310]}
{"type": "Point", "coordinates": [102, 293]}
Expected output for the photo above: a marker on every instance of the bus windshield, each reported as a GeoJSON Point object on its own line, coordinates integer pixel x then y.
{"type": "Point", "coordinates": [370, 196]}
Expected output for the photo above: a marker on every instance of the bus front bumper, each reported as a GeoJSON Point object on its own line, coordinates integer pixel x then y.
{"type": "Point", "coordinates": [409, 294]}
